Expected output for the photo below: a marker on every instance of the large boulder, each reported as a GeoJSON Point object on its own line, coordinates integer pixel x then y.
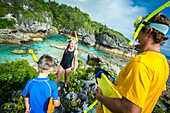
{"type": "Point", "coordinates": [120, 51]}
{"type": "Point", "coordinates": [89, 40]}
{"type": "Point", "coordinates": [37, 39]}
{"type": "Point", "coordinates": [14, 38]}
{"type": "Point", "coordinates": [67, 31]}
{"type": "Point", "coordinates": [92, 60]}
{"type": "Point", "coordinates": [107, 41]}
{"type": "Point", "coordinates": [53, 29]}
{"type": "Point", "coordinates": [96, 34]}
{"type": "Point", "coordinates": [18, 52]}
{"type": "Point", "coordinates": [6, 31]}
{"type": "Point", "coordinates": [80, 32]}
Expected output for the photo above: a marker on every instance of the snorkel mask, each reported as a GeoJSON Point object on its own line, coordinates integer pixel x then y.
{"type": "Point", "coordinates": [74, 38]}
{"type": "Point", "coordinates": [139, 23]}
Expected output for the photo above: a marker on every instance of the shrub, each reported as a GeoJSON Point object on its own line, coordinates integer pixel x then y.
{"type": "Point", "coordinates": [5, 23]}
{"type": "Point", "coordinates": [14, 76]}
{"type": "Point", "coordinates": [17, 107]}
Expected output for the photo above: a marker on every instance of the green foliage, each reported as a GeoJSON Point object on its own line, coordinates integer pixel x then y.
{"type": "Point", "coordinates": [35, 10]}
{"type": "Point", "coordinates": [81, 62]}
{"type": "Point", "coordinates": [68, 17]}
{"type": "Point", "coordinates": [74, 87]}
{"type": "Point", "coordinates": [72, 78]}
{"type": "Point", "coordinates": [18, 73]}
{"type": "Point", "coordinates": [81, 73]}
{"type": "Point", "coordinates": [5, 8]}
{"type": "Point", "coordinates": [52, 76]}
{"type": "Point", "coordinates": [17, 107]}
{"type": "Point", "coordinates": [7, 24]}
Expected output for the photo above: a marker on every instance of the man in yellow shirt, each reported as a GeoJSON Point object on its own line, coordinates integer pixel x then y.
{"type": "Point", "coordinates": [143, 79]}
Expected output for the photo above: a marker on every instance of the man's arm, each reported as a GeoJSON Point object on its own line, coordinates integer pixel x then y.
{"type": "Point", "coordinates": [57, 102]}
{"type": "Point", "coordinates": [27, 105]}
{"type": "Point", "coordinates": [118, 105]}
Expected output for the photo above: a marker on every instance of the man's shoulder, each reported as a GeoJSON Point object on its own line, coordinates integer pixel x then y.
{"type": "Point", "coordinates": [142, 58]}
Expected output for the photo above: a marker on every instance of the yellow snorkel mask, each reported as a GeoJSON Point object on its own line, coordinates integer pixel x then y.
{"type": "Point", "coordinates": [74, 38]}
{"type": "Point", "coordinates": [139, 23]}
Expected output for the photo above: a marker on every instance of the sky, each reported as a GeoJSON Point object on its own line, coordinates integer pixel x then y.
{"type": "Point", "coordinates": [117, 14]}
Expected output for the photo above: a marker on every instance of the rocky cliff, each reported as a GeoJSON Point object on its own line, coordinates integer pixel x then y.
{"type": "Point", "coordinates": [25, 15]}
{"type": "Point", "coordinates": [36, 16]}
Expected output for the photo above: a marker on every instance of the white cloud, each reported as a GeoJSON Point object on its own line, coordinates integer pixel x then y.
{"type": "Point", "coordinates": [117, 14]}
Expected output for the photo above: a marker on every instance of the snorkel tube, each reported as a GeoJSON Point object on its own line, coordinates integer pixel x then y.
{"type": "Point", "coordinates": [33, 56]}
{"type": "Point", "coordinates": [74, 38]}
{"type": "Point", "coordinates": [36, 60]}
{"type": "Point", "coordinates": [146, 20]}
{"type": "Point", "coordinates": [86, 108]}
{"type": "Point", "coordinates": [75, 34]}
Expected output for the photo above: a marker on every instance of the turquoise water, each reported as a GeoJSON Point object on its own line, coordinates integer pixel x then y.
{"type": "Point", "coordinates": [41, 48]}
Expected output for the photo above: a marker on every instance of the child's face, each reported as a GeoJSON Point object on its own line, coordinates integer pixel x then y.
{"type": "Point", "coordinates": [72, 44]}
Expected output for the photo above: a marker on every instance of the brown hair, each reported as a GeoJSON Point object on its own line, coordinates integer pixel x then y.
{"type": "Point", "coordinates": [158, 36]}
{"type": "Point", "coordinates": [68, 44]}
{"type": "Point", "coordinates": [45, 63]}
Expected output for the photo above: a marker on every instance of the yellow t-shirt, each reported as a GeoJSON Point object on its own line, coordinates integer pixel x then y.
{"type": "Point", "coordinates": [143, 79]}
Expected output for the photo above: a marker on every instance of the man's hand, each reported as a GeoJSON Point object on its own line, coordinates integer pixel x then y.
{"type": "Point", "coordinates": [118, 105]}
{"type": "Point", "coordinates": [99, 92]}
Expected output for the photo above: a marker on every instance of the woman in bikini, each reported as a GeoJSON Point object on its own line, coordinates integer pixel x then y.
{"type": "Point", "coordinates": [66, 62]}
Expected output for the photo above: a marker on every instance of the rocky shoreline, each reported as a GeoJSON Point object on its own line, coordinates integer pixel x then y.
{"type": "Point", "coordinates": [21, 38]}
{"type": "Point", "coordinates": [126, 54]}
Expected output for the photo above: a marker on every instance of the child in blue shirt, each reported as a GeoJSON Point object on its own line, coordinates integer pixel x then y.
{"type": "Point", "coordinates": [37, 91]}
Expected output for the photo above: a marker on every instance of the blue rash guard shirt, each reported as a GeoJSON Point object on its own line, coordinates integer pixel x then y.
{"type": "Point", "coordinates": [39, 91]}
